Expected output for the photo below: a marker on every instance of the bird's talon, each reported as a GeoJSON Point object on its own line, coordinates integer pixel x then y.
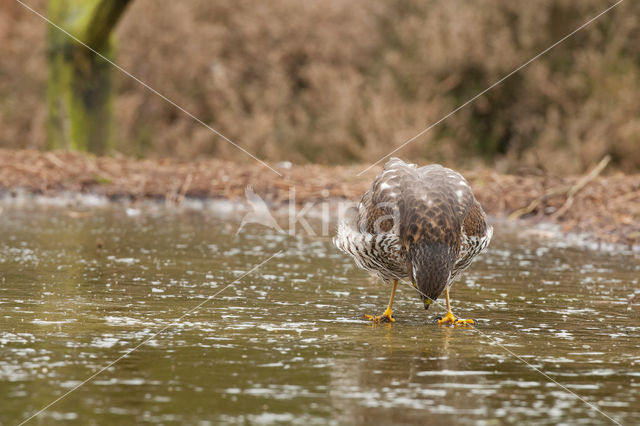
{"type": "Point", "coordinates": [385, 319]}
{"type": "Point", "coordinates": [450, 319]}
{"type": "Point", "coordinates": [464, 322]}
{"type": "Point", "coordinates": [378, 319]}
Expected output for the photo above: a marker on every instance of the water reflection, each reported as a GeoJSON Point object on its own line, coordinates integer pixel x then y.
{"type": "Point", "coordinates": [285, 344]}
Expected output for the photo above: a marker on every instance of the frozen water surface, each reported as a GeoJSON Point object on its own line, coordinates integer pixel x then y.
{"type": "Point", "coordinates": [285, 343]}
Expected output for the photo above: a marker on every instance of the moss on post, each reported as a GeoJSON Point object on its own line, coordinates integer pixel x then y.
{"type": "Point", "coordinates": [80, 87]}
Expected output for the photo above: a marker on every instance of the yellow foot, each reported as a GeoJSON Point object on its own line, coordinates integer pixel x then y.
{"type": "Point", "coordinates": [387, 316]}
{"type": "Point", "coordinates": [449, 318]}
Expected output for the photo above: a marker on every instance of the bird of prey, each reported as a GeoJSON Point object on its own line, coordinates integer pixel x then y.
{"type": "Point", "coordinates": [420, 223]}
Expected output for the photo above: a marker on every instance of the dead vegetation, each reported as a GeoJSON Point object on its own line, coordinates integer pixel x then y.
{"type": "Point", "coordinates": [345, 81]}
{"type": "Point", "coordinates": [608, 207]}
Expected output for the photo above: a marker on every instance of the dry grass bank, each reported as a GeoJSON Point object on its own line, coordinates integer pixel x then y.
{"type": "Point", "coordinates": [606, 207]}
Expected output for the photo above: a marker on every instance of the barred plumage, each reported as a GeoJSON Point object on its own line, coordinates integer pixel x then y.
{"type": "Point", "coordinates": [380, 253]}
{"type": "Point", "coordinates": [423, 224]}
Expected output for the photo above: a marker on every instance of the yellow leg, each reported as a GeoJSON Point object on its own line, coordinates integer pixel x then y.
{"type": "Point", "coordinates": [449, 318]}
{"type": "Point", "coordinates": [387, 315]}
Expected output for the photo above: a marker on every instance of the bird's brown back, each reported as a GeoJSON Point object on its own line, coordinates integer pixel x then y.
{"type": "Point", "coordinates": [428, 203]}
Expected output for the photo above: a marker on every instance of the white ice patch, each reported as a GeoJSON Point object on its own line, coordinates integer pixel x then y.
{"type": "Point", "coordinates": [127, 260]}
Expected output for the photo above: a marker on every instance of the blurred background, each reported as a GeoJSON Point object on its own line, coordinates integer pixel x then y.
{"type": "Point", "coordinates": [344, 81]}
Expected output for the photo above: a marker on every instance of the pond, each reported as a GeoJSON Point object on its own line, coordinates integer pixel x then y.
{"type": "Point", "coordinates": [557, 336]}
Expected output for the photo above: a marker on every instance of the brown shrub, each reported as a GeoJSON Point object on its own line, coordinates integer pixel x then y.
{"type": "Point", "coordinates": [343, 81]}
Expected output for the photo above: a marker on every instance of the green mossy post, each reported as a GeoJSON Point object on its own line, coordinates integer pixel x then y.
{"type": "Point", "coordinates": [80, 87]}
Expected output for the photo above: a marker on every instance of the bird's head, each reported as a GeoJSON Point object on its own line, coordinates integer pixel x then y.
{"type": "Point", "coordinates": [431, 264]}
